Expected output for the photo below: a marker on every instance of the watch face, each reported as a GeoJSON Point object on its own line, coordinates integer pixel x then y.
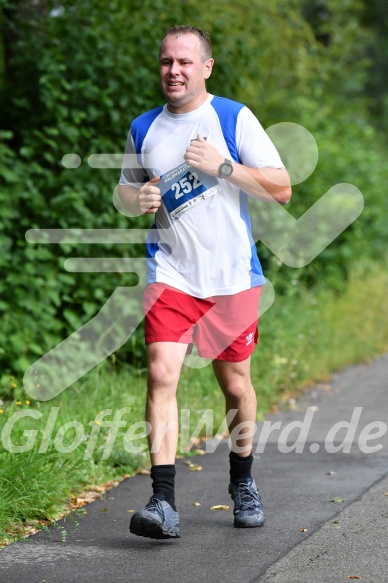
{"type": "Point", "coordinates": [226, 169]}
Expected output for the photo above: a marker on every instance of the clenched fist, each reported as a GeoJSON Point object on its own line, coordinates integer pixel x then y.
{"type": "Point", "coordinates": [149, 197]}
{"type": "Point", "coordinates": [202, 155]}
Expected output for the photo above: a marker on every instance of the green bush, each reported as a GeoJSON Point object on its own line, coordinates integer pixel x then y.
{"type": "Point", "coordinates": [92, 70]}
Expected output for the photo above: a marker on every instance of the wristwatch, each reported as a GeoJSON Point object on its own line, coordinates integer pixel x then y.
{"type": "Point", "coordinates": [225, 169]}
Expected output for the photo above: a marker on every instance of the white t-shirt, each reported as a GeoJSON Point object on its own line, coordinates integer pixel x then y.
{"type": "Point", "coordinates": [208, 249]}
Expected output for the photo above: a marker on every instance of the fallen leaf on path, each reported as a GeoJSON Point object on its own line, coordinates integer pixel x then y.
{"type": "Point", "coordinates": [331, 473]}
{"type": "Point", "coordinates": [191, 464]}
{"type": "Point", "coordinates": [324, 387]}
{"type": "Point", "coordinates": [303, 529]}
{"type": "Point", "coordinates": [220, 507]}
{"type": "Point", "coordinates": [337, 500]}
{"type": "Point", "coordinates": [131, 510]}
{"type": "Point", "coordinates": [196, 504]}
{"type": "Point", "coordinates": [96, 488]}
{"type": "Point", "coordinates": [195, 441]}
{"type": "Point", "coordinates": [193, 467]}
{"type": "Point", "coordinates": [354, 577]}
{"type": "Point", "coordinates": [385, 493]}
{"type": "Point", "coordinates": [83, 499]}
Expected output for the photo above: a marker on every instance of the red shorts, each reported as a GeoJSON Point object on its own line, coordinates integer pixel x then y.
{"type": "Point", "coordinates": [222, 327]}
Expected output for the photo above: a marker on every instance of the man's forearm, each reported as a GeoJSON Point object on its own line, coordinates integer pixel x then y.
{"type": "Point", "coordinates": [141, 201]}
{"type": "Point", "coordinates": [271, 184]}
{"type": "Point", "coordinates": [129, 197]}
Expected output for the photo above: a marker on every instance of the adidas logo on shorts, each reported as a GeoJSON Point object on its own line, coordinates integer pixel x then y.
{"type": "Point", "coordinates": [249, 338]}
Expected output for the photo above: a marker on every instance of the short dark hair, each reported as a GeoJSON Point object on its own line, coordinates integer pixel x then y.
{"type": "Point", "coordinates": [204, 38]}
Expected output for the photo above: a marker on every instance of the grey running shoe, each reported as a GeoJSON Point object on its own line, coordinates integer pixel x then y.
{"type": "Point", "coordinates": [158, 520]}
{"type": "Point", "coordinates": [248, 507]}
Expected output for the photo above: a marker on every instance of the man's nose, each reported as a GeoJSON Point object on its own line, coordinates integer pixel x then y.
{"type": "Point", "coordinates": [174, 69]}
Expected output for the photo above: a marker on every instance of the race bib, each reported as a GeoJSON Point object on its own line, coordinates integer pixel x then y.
{"type": "Point", "coordinates": [184, 187]}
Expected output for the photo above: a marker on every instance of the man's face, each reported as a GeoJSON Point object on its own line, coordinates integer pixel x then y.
{"type": "Point", "coordinates": [183, 73]}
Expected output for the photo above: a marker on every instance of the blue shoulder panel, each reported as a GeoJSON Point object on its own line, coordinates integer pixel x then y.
{"type": "Point", "coordinates": [141, 125]}
{"type": "Point", "coordinates": [227, 111]}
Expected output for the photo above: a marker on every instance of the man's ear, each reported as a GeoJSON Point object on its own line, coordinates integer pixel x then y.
{"type": "Point", "coordinates": [208, 67]}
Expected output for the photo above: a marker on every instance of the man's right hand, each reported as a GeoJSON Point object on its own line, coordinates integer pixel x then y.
{"type": "Point", "coordinates": [149, 197]}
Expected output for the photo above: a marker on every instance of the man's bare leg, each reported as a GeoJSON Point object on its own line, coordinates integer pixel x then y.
{"type": "Point", "coordinates": [235, 381]}
{"type": "Point", "coordinates": [160, 518]}
{"type": "Point", "coordinates": [164, 368]}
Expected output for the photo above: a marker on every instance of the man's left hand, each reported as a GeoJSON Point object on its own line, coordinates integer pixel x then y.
{"type": "Point", "coordinates": [203, 156]}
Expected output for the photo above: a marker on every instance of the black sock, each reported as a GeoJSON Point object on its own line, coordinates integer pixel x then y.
{"type": "Point", "coordinates": [163, 483]}
{"type": "Point", "coordinates": [240, 467]}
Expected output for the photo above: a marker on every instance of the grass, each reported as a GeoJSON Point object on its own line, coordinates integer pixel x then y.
{"type": "Point", "coordinates": [303, 338]}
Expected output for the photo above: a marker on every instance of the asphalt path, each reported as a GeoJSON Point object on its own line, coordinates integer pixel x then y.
{"type": "Point", "coordinates": [326, 510]}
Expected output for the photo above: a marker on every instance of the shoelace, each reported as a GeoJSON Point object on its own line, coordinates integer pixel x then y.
{"type": "Point", "coordinates": [155, 504]}
{"type": "Point", "coordinates": [250, 499]}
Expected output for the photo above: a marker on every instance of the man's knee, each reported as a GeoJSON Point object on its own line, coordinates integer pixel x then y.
{"type": "Point", "coordinates": [238, 389]}
{"type": "Point", "coordinates": [161, 374]}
